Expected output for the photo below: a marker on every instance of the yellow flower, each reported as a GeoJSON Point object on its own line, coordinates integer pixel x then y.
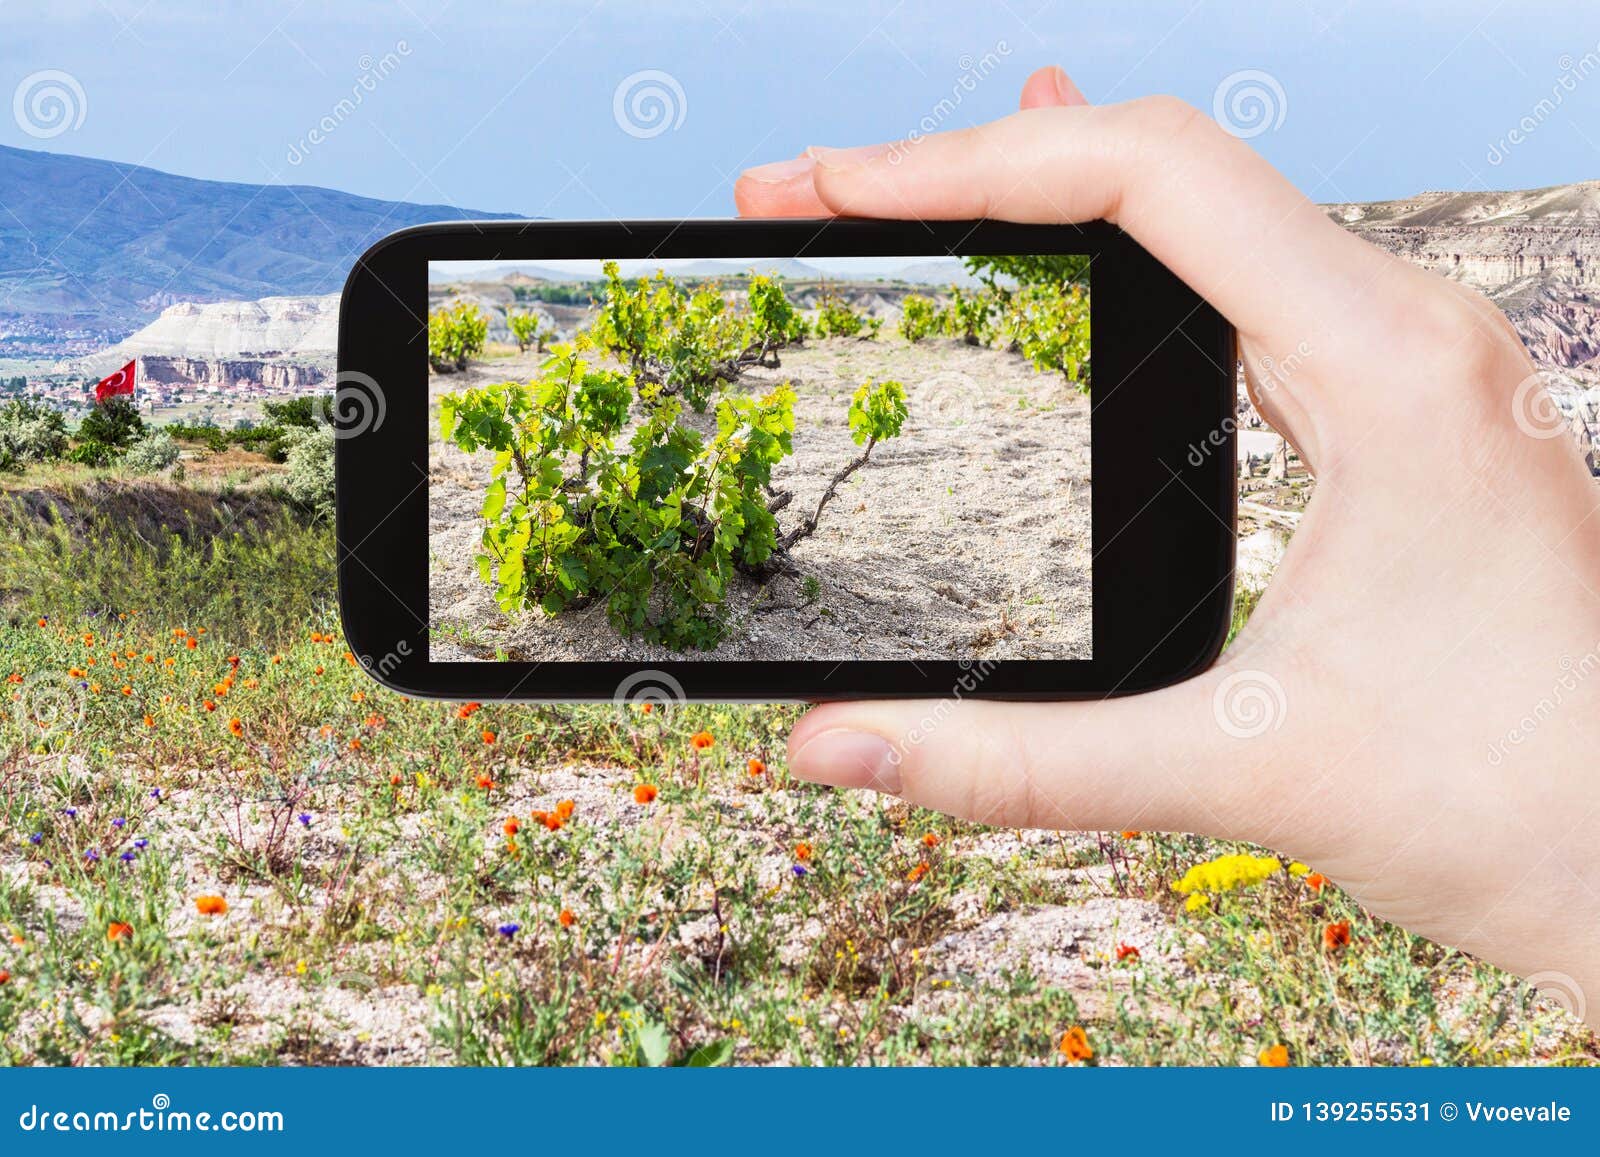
{"type": "Point", "coordinates": [1297, 869]}
{"type": "Point", "coordinates": [1226, 874]}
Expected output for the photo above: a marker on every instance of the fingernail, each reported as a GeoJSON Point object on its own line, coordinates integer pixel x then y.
{"type": "Point", "coordinates": [1065, 88]}
{"type": "Point", "coordinates": [834, 159]}
{"type": "Point", "coordinates": [779, 171]}
{"type": "Point", "coordinates": [848, 759]}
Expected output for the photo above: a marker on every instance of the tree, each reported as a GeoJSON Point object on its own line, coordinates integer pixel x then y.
{"type": "Point", "coordinates": [113, 423]}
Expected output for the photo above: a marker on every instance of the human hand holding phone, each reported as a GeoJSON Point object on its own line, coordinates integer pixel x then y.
{"type": "Point", "coordinates": [1419, 667]}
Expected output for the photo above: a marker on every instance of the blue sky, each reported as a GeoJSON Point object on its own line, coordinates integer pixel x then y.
{"type": "Point", "coordinates": [514, 107]}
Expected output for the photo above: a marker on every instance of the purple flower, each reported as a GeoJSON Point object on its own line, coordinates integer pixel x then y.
{"type": "Point", "coordinates": [155, 793]}
{"type": "Point", "coordinates": [70, 812]}
{"type": "Point", "coordinates": [36, 839]}
{"type": "Point", "coordinates": [141, 843]}
{"type": "Point", "coordinates": [509, 930]}
{"type": "Point", "coordinates": [128, 857]}
{"type": "Point", "coordinates": [799, 870]}
{"type": "Point", "coordinates": [305, 819]}
{"type": "Point", "coordinates": [118, 822]}
{"type": "Point", "coordinates": [92, 856]}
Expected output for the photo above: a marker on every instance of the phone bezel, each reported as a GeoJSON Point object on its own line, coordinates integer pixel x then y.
{"type": "Point", "coordinates": [1161, 443]}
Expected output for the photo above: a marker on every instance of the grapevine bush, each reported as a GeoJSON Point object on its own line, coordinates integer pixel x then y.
{"type": "Point", "coordinates": [456, 335]}
{"type": "Point", "coordinates": [919, 317]}
{"type": "Point", "coordinates": [528, 331]}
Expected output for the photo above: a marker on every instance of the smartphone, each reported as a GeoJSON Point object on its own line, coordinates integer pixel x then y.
{"type": "Point", "coordinates": [772, 460]}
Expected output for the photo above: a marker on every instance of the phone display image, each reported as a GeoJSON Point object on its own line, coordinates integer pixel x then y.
{"type": "Point", "coordinates": [760, 459]}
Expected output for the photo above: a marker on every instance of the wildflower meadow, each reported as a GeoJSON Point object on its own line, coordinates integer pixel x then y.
{"type": "Point", "coordinates": [222, 843]}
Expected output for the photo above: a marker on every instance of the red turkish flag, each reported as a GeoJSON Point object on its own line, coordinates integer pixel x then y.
{"type": "Point", "coordinates": [121, 382]}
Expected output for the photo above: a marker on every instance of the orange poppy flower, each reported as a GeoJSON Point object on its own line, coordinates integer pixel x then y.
{"type": "Point", "coordinates": [1130, 834]}
{"type": "Point", "coordinates": [553, 822]}
{"type": "Point", "coordinates": [802, 851]}
{"type": "Point", "coordinates": [512, 826]}
{"type": "Point", "coordinates": [1274, 1057]}
{"type": "Point", "coordinates": [917, 873]}
{"type": "Point", "coordinates": [756, 767]}
{"type": "Point", "coordinates": [468, 710]}
{"type": "Point", "coordinates": [190, 643]}
{"type": "Point", "coordinates": [235, 726]}
{"type": "Point", "coordinates": [1316, 881]}
{"type": "Point", "coordinates": [209, 705]}
{"type": "Point", "coordinates": [647, 708]}
{"type": "Point", "coordinates": [119, 931]}
{"type": "Point", "coordinates": [5, 977]}
{"type": "Point", "coordinates": [567, 918]}
{"type": "Point", "coordinates": [930, 840]}
{"type": "Point", "coordinates": [486, 782]}
{"type": "Point", "coordinates": [1075, 1044]}
{"type": "Point", "coordinates": [1336, 935]}
{"type": "Point", "coordinates": [355, 745]}
{"type": "Point", "coordinates": [645, 793]}
{"type": "Point", "coordinates": [211, 905]}
{"type": "Point", "coordinates": [565, 808]}
{"type": "Point", "coordinates": [702, 740]}
{"type": "Point", "coordinates": [1126, 952]}
{"type": "Point", "coordinates": [318, 669]}
{"type": "Point", "coordinates": [316, 636]}
{"type": "Point", "coordinates": [149, 720]}
{"type": "Point", "coordinates": [488, 736]}
{"type": "Point", "coordinates": [394, 781]}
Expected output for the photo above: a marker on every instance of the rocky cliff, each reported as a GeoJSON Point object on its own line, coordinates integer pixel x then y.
{"type": "Point", "coordinates": [1537, 253]}
{"type": "Point", "coordinates": [283, 343]}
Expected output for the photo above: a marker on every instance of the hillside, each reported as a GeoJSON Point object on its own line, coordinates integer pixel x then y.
{"type": "Point", "coordinates": [1537, 253]}
{"type": "Point", "coordinates": [101, 246]}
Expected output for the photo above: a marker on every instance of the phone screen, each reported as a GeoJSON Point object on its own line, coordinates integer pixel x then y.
{"type": "Point", "coordinates": [769, 459]}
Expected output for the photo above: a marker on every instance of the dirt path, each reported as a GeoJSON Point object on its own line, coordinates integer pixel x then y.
{"type": "Point", "coordinates": [966, 537]}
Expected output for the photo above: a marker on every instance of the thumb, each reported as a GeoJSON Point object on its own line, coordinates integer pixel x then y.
{"type": "Point", "coordinates": [1050, 87]}
{"type": "Point", "coordinates": [1196, 757]}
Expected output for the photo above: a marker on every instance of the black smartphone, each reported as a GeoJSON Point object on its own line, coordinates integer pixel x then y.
{"type": "Point", "coordinates": [794, 459]}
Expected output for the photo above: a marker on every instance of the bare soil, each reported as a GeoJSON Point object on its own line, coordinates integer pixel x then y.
{"type": "Point", "coordinates": [967, 537]}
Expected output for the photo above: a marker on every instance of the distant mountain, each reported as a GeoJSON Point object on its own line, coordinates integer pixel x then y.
{"type": "Point", "coordinates": [1536, 253]}
{"type": "Point", "coordinates": [99, 245]}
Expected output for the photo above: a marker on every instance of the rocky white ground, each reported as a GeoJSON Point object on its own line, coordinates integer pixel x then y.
{"type": "Point", "coordinates": [968, 537]}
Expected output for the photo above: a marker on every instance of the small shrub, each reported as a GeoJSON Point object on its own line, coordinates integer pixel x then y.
{"type": "Point", "coordinates": [835, 318]}
{"type": "Point", "coordinates": [152, 453]}
{"type": "Point", "coordinates": [30, 432]}
{"type": "Point", "coordinates": [455, 336]}
{"type": "Point", "coordinates": [526, 329]}
{"type": "Point", "coordinates": [968, 316]}
{"type": "Point", "coordinates": [919, 317]}
{"type": "Point", "coordinates": [309, 478]}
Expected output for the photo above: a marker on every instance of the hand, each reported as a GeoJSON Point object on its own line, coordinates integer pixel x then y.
{"type": "Point", "coordinates": [1428, 652]}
